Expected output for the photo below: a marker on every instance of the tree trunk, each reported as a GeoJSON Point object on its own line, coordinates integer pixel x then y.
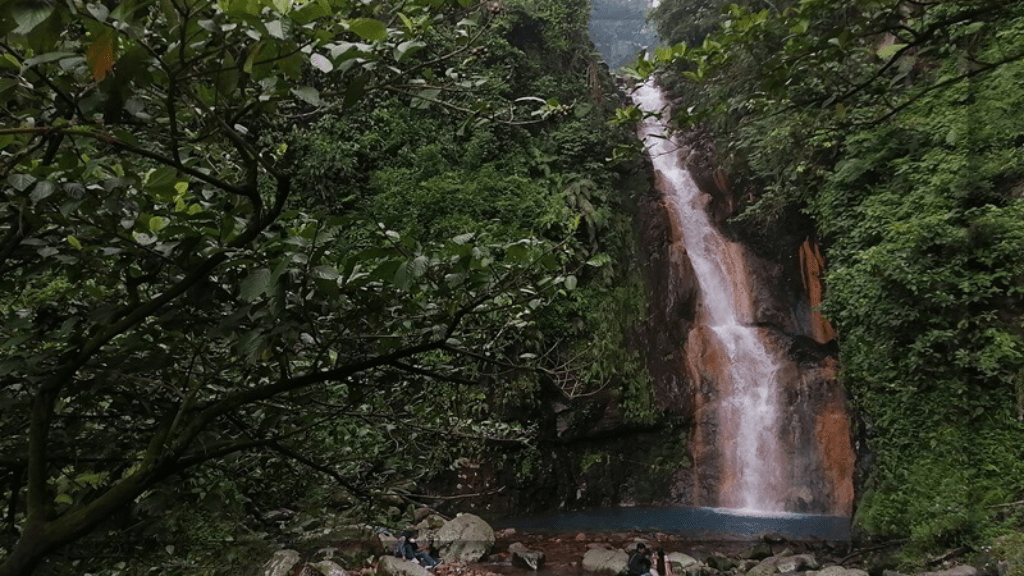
{"type": "Point", "coordinates": [42, 538]}
{"type": "Point", "coordinates": [28, 552]}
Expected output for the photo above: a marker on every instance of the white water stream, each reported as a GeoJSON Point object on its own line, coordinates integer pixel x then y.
{"type": "Point", "coordinates": [747, 409]}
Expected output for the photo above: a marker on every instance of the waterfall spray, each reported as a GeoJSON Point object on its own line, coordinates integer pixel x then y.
{"type": "Point", "coordinates": [747, 410]}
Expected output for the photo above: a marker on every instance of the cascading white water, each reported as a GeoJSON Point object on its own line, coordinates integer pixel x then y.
{"type": "Point", "coordinates": [747, 410]}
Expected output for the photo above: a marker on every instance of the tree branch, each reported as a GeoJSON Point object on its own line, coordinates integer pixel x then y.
{"type": "Point", "coordinates": [903, 105]}
{"type": "Point", "coordinates": [125, 147]}
{"type": "Point", "coordinates": [238, 399]}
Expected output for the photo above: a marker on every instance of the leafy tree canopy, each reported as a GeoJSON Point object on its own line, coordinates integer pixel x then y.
{"type": "Point", "coordinates": [887, 124]}
{"type": "Point", "coordinates": [172, 297]}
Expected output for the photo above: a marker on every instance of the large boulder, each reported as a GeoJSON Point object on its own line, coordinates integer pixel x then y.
{"type": "Point", "coordinates": [721, 563]}
{"type": "Point", "coordinates": [465, 538]}
{"type": "Point", "coordinates": [758, 551]}
{"type": "Point", "coordinates": [765, 568]}
{"type": "Point", "coordinates": [524, 557]}
{"type": "Point", "coordinates": [426, 530]}
{"type": "Point", "coordinates": [787, 562]}
{"type": "Point", "coordinates": [386, 542]}
{"type": "Point", "coordinates": [349, 545]}
{"type": "Point", "coordinates": [599, 561]}
{"type": "Point", "coordinates": [282, 563]}
{"type": "Point", "coordinates": [678, 564]}
{"type": "Point", "coordinates": [798, 562]}
{"type": "Point", "coordinates": [328, 568]}
{"type": "Point", "coordinates": [392, 566]}
{"type": "Point", "coordinates": [837, 571]}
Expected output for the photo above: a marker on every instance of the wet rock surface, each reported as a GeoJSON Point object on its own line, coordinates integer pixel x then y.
{"type": "Point", "coordinates": [565, 554]}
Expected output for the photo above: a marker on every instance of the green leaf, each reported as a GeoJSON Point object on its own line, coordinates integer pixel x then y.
{"type": "Point", "coordinates": [887, 52]}
{"type": "Point", "coordinates": [9, 62]}
{"type": "Point", "coordinates": [249, 344]}
{"type": "Point", "coordinates": [369, 29]}
{"type": "Point", "coordinates": [250, 61]}
{"type": "Point", "coordinates": [424, 98]}
{"type": "Point", "coordinates": [407, 22]}
{"type": "Point", "coordinates": [7, 84]}
{"type": "Point", "coordinates": [402, 277]}
{"type": "Point", "coordinates": [326, 272]}
{"type": "Point", "coordinates": [570, 282]}
{"type": "Point", "coordinates": [321, 63]}
{"type": "Point", "coordinates": [43, 189]}
{"type": "Point", "coordinates": [29, 15]}
{"type": "Point", "coordinates": [308, 94]}
{"type": "Point", "coordinates": [276, 28]}
{"type": "Point", "coordinates": [47, 57]}
{"type": "Point", "coordinates": [517, 253]}
{"type": "Point", "coordinates": [582, 110]}
{"type": "Point", "coordinates": [156, 223]}
{"type": "Point", "coordinates": [162, 180]}
{"type": "Point", "coordinates": [125, 136]}
{"type": "Point", "coordinates": [255, 284]}
{"type": "Point", "coordinates": [419, 265]}
{"type": "Point", "coordinates": [407, 49]}
{"type": "Point", "coordinates": [355, 91]}
{"type": "Point", "coordinates": [21, 182]}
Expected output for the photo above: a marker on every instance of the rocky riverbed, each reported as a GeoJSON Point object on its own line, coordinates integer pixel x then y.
{"type": "Point", "coordinates": [468, 547]}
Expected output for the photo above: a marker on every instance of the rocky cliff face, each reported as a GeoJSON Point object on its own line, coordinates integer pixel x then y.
{"type": "Point", "coordinates": [592, 457]}
{"type": "Point", "coordinates": [784, 271]}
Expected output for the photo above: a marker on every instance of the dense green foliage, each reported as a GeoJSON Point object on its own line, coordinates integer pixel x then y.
{"type": "Point", "coordinates": [256, 254]}
{"type": "Point", "coordinates": [895, 128]}
{"type": "Point", "coordinates": [686, 20]}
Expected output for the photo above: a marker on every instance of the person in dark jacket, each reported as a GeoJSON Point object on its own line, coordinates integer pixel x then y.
{"type": "Point", "coordinates": [409, 550]}
{"type": "Point", "coordinates": [640, 561]}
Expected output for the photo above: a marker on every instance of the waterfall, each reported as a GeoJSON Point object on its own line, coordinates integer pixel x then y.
{"type": "Point", "coordinates": [747, 411]}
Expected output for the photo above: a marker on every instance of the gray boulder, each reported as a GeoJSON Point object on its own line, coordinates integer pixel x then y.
{"type": "Point", "coordinates": [387, 543]}
{"type": "Point", "coordinates": [679, 564]}
{"type": "Point", "coordinates": [721, 563]}
{"type": "Point", "coordinates": [465, 538]}
{"type": "Point", "coordinates": [838, 571]}
{"type": "Point", "coordinates": [282, 563]}
{"type": "Point", "coordinates": [526, 558]}
{"type": "Point", "coordinates": [392, 566]}
{"type": "Point", "coordinates": [328, 568]}
{"type": "Point", "coordinates": [599, 561]}
{"type": "Point", "coordinates": [747, 565]}
{"type": "Point", "coordinates": [758, 551]}
{"type": "Point", "coordinates": [764, 568]}
{"type": "Point", "coordinates": [797, 562]}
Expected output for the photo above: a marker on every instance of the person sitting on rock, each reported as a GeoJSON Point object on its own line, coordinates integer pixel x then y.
{"type": "Point", "coordinates": [640, 562]}
{"type": "Point", "coordinates": [408, 548]}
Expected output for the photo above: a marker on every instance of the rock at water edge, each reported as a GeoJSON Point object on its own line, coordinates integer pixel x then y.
{"type": "Point", "coordinates": [797, 562]}
{"type": "Point", "coordinates": [282, 563]}
{"type": "Point", "coordinates": [328, 568]}
{"type": "Point", "coordinates": [609, 562]}
{"type": "Point", "coordinates": [465, 538]}
{"type": "Point", "coordinates": [526, 558]}
{"type": "Point", "coordinates": [678, 563]}
{"type": "Point", "coordinates": [400, 567]}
